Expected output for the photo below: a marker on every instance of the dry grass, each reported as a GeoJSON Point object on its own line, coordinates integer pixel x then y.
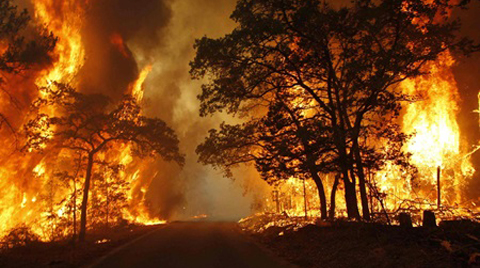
{"type": "Point", "coordinates": [349, 244]}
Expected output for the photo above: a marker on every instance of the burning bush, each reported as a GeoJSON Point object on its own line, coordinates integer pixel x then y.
{"type": "Point", "coordinates": [19, 236]}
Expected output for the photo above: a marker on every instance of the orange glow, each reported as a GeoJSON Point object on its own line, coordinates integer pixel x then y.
{"type": "Point", "coordinates": [32, 192]}
{"type": "Point", "coordinates": [117, 41]}
{"type": "Point", "coordinates": [436, 142]}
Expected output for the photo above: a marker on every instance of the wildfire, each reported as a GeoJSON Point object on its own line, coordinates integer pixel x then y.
{"type": "Point", "coordinates": [69, 49]}
{"type": "Point", "coordinates": [436, 148]}
{"type": "Point", "coordinates": [33, 191]}
{"type": "Point", "coordinates": [436, 144]}
{"type": "Point", "coordinates": [137, 86]}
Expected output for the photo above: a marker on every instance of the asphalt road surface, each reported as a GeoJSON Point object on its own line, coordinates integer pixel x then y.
{"type": "Point", "coordinates": [191, 245]}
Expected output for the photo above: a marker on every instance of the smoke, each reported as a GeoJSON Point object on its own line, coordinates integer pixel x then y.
{"type": "Point", "coordinates": [467, 73]}
{"type": "Point", "coordinates": [172, 96]}
{"type": "Point", "coordinates": [120, 38]}
{"type": "Point", "coordinates": [161, 34]}
{"type": "Point", "coordinates": [110, 67]}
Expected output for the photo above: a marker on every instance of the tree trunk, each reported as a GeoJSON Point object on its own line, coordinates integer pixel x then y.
{"type": "Point", "coordinates": [86, 188]}
{"type": "Point", "coordinates": [351, 199]}
{"type": "Point", "coordinates": [321, 195]}
{"type": "Point", "coordinates": [350, 191]}
{"type": "Point", "coordinates": [74, 209]}
{"type": "Point", "coordinates": [361, 181]}
{"type": "Point", "coordinates": [332, 197]}
{"type": "Point", "coordinates": [107, 201]}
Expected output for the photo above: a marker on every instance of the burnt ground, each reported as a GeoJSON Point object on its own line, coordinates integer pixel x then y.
{"type": "Point", "coordinates": [338, 244]}
{"type": "Point", "coordinates": [62, 254]}
{"type": "Point", "coordinates": [347, 244]}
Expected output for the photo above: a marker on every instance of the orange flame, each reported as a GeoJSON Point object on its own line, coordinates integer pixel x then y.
{"type": "Point", "coordinates": [31, 192]}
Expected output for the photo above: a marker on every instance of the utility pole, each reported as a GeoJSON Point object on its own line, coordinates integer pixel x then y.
{"type": "Point", "coordinates": [439, 196]}
{"type": "Point", "coordinates": [275, 199]}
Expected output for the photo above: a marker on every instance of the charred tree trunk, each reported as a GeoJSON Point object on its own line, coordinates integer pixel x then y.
{"type": "Point", "coordinates": [107, 208]}
{"type": "Point", "coordinates": [75, 197]}
{"type": "Point", "coordinates": [321, 195]}
{"type": "Point", "coordinates": [86, 188]}
{"type": "Point", "coordinates": [361, 181]}
{"type": "Point", "coordinates": [74, 209]}
{"type": "Point", "coordinates": [305, 199]}
{"type": "Point", "coordinates": [332, 197]}
{"type": "Point", "coordinates": [351, 198]}
{"type": "Point", "coordinates": [350, 191]}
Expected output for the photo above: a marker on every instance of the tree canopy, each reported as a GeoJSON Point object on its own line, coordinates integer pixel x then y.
{"type": "Point", "coordinates": [344, 64]}
{"type": "Point", "coordinates": [23, 46]}
{"type": "Point", "coordinates": [90, 124]}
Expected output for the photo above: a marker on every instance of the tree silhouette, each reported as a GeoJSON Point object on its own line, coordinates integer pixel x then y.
{"type": "Point", "coordinates": [90, 124]}
{"type": "Point", "coordinates": [19, 53]}
{"type": "Point", "coordinates": [347, 60]}
{"type": "Point", "coordinates": [282, 144]}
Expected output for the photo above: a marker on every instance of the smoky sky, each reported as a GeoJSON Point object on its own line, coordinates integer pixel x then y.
{"type": "Point", "coordinates": [467, 75]}
{"type": "Point", "coordinates": [172, 95]}
{"type": "Point", "coordinates": [107, 69]}
{"type": "Point", "coordinates": [161, 34]}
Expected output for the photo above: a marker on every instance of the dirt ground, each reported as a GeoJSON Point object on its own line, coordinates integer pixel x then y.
{"type": "Point", "coordinates": [62, 254]}
{"type": "Point", "coordinates": [349, 244]}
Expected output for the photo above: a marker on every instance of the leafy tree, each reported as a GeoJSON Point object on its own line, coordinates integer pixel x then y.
{"type": "Point", "coordinates": [347, 60]}
{"type": "Point", "coordinates": [299, 145]}
{"type": "Point", "coordinates": [282, 144]}
{"type": "Point", "coordinates": [90, 124]}
{"type": "Point", "coordinates": [20, 53]}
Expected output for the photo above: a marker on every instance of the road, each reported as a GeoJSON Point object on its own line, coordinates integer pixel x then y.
{"type": "Point", "coordinates": [192, 245]}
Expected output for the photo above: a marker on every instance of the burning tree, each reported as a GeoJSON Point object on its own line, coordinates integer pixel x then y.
{"type": "Point", "coordinates": [90, 124]}
{"type": "Point", "coordinates": [19, 53]}
{"type": "Point", "coordinates": [345, 62]}
{"type": "Point", "coordinates": [110, 196]}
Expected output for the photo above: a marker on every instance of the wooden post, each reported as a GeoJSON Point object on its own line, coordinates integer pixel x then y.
{"type": "Point", "coordinates": [405, 220]}
{"type": "Point", "coordinates": [429, 219]}
{"type": "Point", "coordinates": [439, 196]}
{"type": "Point", "coordinates": [275, 199]}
